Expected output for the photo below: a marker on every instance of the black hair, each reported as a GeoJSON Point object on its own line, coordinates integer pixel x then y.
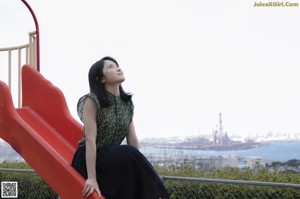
{"type": "Point", "coordinates": [96, 87]}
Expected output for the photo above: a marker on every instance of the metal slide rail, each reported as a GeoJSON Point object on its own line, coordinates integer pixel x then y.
{"type": "Point", "coordinates": [203, 188]}
{"type": "Point", "coordinates": [26, 54]}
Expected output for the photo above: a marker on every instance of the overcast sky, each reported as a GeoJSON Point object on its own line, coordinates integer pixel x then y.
{"type": "Point", "coordinates": [185, 61]}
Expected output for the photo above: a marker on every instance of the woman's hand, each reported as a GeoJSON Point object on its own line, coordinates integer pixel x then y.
{"type": "Point", "coordinates": [91, 185]}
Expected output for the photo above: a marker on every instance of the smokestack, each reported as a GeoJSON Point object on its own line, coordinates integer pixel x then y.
{"type": "Point", "coordinates": [221, 128]}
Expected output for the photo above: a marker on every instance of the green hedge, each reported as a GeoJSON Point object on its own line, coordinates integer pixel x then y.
{"type": "Point", "coordinates": [195, 190]}
{"type": "Point", "coordinates": [232, 174]}
{"type": "Point", "coordinates": [30, 185]}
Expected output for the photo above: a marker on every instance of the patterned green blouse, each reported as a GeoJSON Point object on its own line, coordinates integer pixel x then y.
{"type": "Point", "coordinates": [112, 121]}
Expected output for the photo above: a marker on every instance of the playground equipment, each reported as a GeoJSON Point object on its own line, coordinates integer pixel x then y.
{"type": "Point", "coordinates": [42, 130]}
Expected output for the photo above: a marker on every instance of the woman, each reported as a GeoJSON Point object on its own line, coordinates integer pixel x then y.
{"type": "Point", "coordinates": [119, 171]}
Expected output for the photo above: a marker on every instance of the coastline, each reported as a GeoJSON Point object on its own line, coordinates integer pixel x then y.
{"type": "Point", "coordinates": [271, 151]}
{"type": "Point", "coordinates": [209, 147]}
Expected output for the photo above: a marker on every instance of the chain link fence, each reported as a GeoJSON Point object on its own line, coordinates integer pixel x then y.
{"type": "Point", "coordinates": [207, 188]}
{"type": "Point", "coordinates": [31, 186]}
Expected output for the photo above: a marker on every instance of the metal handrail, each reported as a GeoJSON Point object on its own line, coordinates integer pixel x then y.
{"type": "Point", "coordinates": [18, 170]}
{"type": "Point", "coordinates": [32, 54]}
{"type": "Point", "coordinates": [243, 182]}
{"type": "Point", "coordinates": [14, 48]}
{"type": "Point", "coordinates": [30, 58]}
{"type": "Point", "coordinates": [9, 50]}
{"type": "Point", "coordinates": [37, 32]}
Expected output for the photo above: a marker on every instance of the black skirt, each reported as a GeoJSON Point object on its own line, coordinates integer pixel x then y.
{"type": "Point", "coordinates": [123, 173]}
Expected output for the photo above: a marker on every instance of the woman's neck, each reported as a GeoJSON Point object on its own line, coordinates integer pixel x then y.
{"type": "Point", "coordinates": [113, 89]}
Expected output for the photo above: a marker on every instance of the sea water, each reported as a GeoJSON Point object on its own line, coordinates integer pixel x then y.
{"type": "Point", "coordinates": [273, 151]}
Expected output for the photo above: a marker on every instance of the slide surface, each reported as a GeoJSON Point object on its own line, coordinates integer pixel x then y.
{"type": "Point", "coordinates": [43, 132]}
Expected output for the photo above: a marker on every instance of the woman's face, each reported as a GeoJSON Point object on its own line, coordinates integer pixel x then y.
{"type": "Point", "coordinates": [112, 73]}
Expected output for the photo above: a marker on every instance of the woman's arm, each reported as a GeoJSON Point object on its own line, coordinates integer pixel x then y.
{"type": "Point", "coordinates": [90, 130]}
{"type": "Point", "coordinates": [131, 136]}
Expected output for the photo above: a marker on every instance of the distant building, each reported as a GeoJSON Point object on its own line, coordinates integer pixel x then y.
{"type": "Point", "coordinates": [229, 161]}
{"type": "Point", "coordinates": [256, 162]}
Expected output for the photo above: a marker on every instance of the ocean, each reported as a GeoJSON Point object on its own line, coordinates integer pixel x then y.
{"type": "Point", "coordinates": [273, 151]}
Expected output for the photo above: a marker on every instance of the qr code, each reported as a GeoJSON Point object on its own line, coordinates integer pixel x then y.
{"type": "Point", "coordinates": [9, 189]}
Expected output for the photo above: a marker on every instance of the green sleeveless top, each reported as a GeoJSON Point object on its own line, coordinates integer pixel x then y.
{"type": "Point", "coordinates": [112, 122]}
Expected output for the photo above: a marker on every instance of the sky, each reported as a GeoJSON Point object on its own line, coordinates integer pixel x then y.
{"type": "Point", "coordinates": [184, 61]}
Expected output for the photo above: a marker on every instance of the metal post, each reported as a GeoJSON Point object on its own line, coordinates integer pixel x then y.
{"type": "Point", "coordinates": [37, 35]}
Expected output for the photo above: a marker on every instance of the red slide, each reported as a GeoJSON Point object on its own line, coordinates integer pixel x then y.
{"type": "Point", "coordinates": [43, 132]}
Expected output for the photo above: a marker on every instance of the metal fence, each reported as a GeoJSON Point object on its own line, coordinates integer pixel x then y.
{"type": "Point", "coordinates": [13, 58]}
{"type": "Point", "coordinates": [208, 188]}
{"type": "Point", "coordinates": [31, 186]}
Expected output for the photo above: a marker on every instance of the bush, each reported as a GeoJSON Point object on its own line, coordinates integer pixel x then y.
{"type": "Point", "coordinates": [30, 185]}
{"type": "Point", "coordinates": [195, 190]}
